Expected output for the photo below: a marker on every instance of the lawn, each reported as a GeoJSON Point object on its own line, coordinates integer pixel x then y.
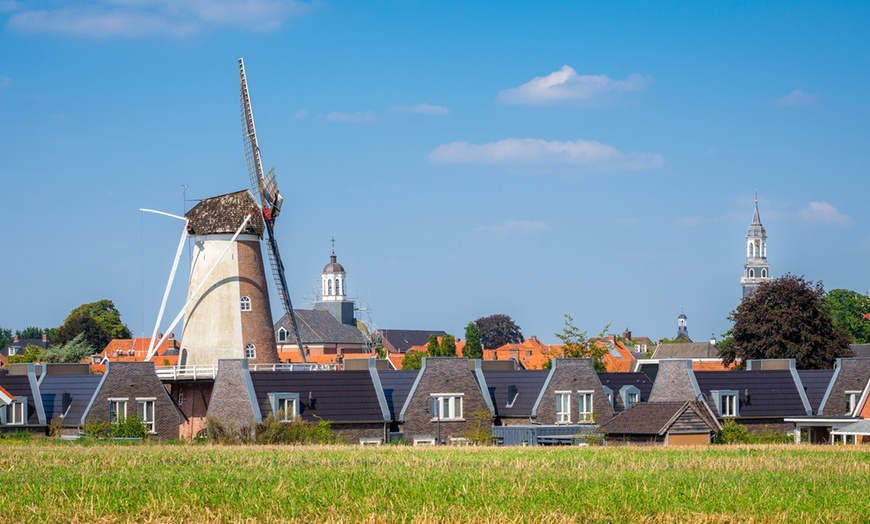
{"type": "Point", "coordinates": [71, 482]}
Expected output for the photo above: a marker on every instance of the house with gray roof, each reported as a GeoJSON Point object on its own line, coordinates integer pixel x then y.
{"type": "Point", "coordinates": [322, 334]}
{"type": "Point", "coordinates": [23, 409]}
{"type": "Point", "coordinates": [66, 391]}
{"type": "Point", "coordinates": [671, 423]}
{"type": "Point", "coordinates": [625, 389]}
{"type": "Point", "coordinates": [401, 340]}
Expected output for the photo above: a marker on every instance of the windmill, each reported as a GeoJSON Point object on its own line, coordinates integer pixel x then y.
{"type": "Point", "coordinates": [228, 312]}
{"type": "Point", "coordinates": [270, 202]}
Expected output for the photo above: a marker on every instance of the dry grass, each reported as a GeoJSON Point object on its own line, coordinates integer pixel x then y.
{"type": "Point", "coordinates": [197, 484]}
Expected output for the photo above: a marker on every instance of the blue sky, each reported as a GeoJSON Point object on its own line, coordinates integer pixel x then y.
{"type": "Point", "coordinates": [593, 158]}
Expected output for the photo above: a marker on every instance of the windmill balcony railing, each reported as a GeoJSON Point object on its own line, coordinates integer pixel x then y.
{"type": "Point", "coordinates": [210, 372]}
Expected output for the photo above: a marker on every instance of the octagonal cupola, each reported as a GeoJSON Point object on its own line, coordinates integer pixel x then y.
{"type": "Point", "coordinates": [333, 280]}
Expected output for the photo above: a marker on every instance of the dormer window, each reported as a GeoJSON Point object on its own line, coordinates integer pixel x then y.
{"type": "Point", "coordinates": [727, 402]}
{"type": "Point", "coordinates": [285, 406]}
{"type": "Point", "coordinates": [282, 335]}
{"type": "Point", "coordinates": [13, 350]}
{"type": "Point", "coordinates": [245, 303]}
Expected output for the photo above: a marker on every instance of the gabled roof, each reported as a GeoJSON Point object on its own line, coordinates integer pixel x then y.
{"type": "Point", "coordinates": [772, 393]}
{"type": "Point", "coordinates": [25, 386]}
{"type": "Point", "coordinates": [850, 374]}
{"type": "Point", "coordinates": [403, 339]}
{"type": "Point", "coordinates": [815, 383]}
{"type": "Point", "coordinates": [527, 385]}
{"type": "Point", "coordinates": [397, 385]}
{"type": "Point", "coordinates": [339, 396]}
{"type": "Point", "coordinates": [531, 353]}
{"type": "Point", "coordinates": [656, 418]}
{"type": "Point", "coordinates": [616, 381]}
{"type": "Point", "coordinates": [686, 350]}
{"type": "Point", "coordinates": [67, 396]}
{"type": "Point", "coordinates": [860, 350]}
{"type": "Point", "coordinates": [23, 343]}
{"type": "Point", "coordinates": [224, 214]}
{"type": "Point", "coordinates": [5, 396]}
{"type": "Point", "coordinates": [318, 327]}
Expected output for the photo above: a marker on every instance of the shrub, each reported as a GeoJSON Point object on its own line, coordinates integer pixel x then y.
{"type": "Point", "coordinates": [732, 433]}
{"type": "Point", "coordinates": [130, 426]}
{"type": "Point", "coordinates": [95, 429]}
{"type": "Point", "coordinates": [481, 432]}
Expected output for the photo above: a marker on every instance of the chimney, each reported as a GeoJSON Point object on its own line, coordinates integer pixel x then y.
{"type": "Point", "coordinates": [171, 340]}
{"type": "Point", "coordinates": [45, 337]}
{"type": "Point", "coordinates": [14, 338]}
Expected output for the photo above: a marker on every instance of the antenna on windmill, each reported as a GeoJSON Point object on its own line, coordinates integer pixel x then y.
{"type": "Point", "coordinates": [270, 200]}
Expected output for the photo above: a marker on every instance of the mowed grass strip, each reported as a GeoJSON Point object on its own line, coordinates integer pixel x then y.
{"type": "Point", "coordinates": [155, 483]}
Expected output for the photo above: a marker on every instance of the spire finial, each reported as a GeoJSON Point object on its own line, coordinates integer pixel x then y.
{"type": "Point", "coordinates": [333, 244]}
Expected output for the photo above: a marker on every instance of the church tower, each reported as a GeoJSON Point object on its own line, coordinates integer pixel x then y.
{"type": "Point", "coordinates": [333, 294]}
{"type": "Point", "coordinates": [756, 269]}
{"type": "Point", "coordinates": [682, 328]}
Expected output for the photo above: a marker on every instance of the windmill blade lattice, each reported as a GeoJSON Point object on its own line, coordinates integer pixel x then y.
{"type": "Point", "coordinates": [266, 188]}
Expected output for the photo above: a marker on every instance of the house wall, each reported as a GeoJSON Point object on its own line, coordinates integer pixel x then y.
{"type": "Point", "coordinates": [351, 433]}
{"type": "Point", "coordinates": [195, 398]}
{"type": "Point", "coordinates": [634, 440]}
{"type": "Point", "coordinates": [574, 375]}
{"type": "Point", "coordinates": [444, 375]}
{"type": "Point", "coordinates": [231, 403]}
{"type": "Point", "coordinates": [132, 380]}
{"type": "Point", "coordinates": [688, 439]}
{"type": "Point", "coordinates": [674, 382]}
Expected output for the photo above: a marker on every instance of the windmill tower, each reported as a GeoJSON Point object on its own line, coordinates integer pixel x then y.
{"type": "Point", "coordinates": [228, 313]}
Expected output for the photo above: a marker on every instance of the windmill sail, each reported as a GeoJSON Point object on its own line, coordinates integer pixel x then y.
{"type": "Point", "coordinates": [266, 187]}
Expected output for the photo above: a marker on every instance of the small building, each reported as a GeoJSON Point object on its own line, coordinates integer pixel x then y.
{"type": "Point", "coordinates": [668, 423]}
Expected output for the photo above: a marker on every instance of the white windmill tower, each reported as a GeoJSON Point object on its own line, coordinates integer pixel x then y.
{"type": "Point", "coordinates": [228, 312]}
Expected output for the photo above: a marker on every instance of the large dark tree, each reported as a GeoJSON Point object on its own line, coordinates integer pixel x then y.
{"type": "Point", "coordinates": [33, 332]}
{"type": "Point", "coordinates": [848, 309]}
{"type": "Point", "coordinates": [787, 318]}
{"type": "Point", "coordinates": [106, 315]}
{"type": "Point", "coordinates": [5, 337]}
{"type": "Point", "coordinates": [498, 330]}
{"type": "Point", "coordinates": [472, 348]}
{"type": "Point", "coordinates": [94, 334]}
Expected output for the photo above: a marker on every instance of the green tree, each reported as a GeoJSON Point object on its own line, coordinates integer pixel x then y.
{"type": "Point", "coordinates": [106, 315]}
{"type": "Point", "coordinates": [472, 348]}
{"type": "Point", "coordinates": [30, 353]}
{"type": "Point", "coordinates": [75, 350]}
{"type": "Point", "coordinates": [33, 332]}
{"type": "Point", "coordinates": [447, 348]}
{"type": "Point", "coordinates": [498, 330]}
{"type": "Point", "coordinates": [433, 348]}
{"type": "Point", "coordinates": [414, 359]}
{"type": "Point", "coordinates": [94, 334]}
{"type": "Point", "coordinates": [787, 318]}
{"type": "Point", "coordinates": [5, 337]}
{"type": "Point", "coordinates": [847, 311]}
{"type": "Point", "coordinates": [576, 344]}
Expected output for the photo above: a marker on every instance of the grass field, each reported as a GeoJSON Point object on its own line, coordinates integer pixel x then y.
{"type": "Point", "coordinates": [75, 483]}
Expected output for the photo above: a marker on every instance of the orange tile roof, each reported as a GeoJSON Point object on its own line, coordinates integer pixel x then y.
{"type": "Point", "coordinates": [120, 349]}
{"type": "Point", "coordinates": [6, 394]}
{"type": "Point", "coordinates": [707, 365]}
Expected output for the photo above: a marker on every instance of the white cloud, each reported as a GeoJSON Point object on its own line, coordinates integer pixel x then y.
{"type": "Point", "coordinates": [825, 213]}
{"type": "Point", "coordinates": [532, 151]}
{"type": "Point", "coordinates": [5, 82]}
{"type": "Point", "coordinates": [338, 116]}
{"type": "Point", "coordinates": [424, 109]}
{"type": "Point", "coordinates": [565, 85]}
{"type": "Point", "coordinates": [514, 227]}
{"type": "Point", "coordinates": [302, 114]}
{"type": "Point", "coordinates": [146, 18]}
{"type": "Point", "coordinates": [797, 98]}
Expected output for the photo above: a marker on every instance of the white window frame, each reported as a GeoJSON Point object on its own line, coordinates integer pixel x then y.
{"type": "Point", "coordinates": [114, 404]}
{"type": "Point", "coordinates": [852, 398]}
{"type": "Point", "coordinates": [245, 303]}
{"type": "Point", "coordinates": [584, 400]}
{"type": "Point", "coordinates": [279, 402]}
{"type": "Point", "coordinates": [250, 350]}
{"type": "Point", "coordinates": [626, 392]}
{"type": "Point", "coordinates": [446, 406]}
{"type": "Point", "coordinates": [282, 335]}
{"type": "Point", "coordinates": [17, 412]}
{"type": "Point", "coordinates": [142, 405]}
{"type": "Point", "coordinates": [727, 402]}
{"type": "Point", "coordinates": [563, 407]}
{"type": "Point", "coordinates": [13, 350]}
{"type": "Point", "coordinates": [180, 397]}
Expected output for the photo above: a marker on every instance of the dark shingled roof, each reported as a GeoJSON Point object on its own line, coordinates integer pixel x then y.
{"type": "Point", "coordinates": [860, 350]}
{"type": "Point", "coordinates": [22, 343]}
{"type": "Point", "coordinates": [687, 350]}
{"type": "Point", "coordinates": [772, 393]}
{"type": "Point", "coordinates": [224, 214]}
{"type": "Point", "coordinates": [616, 381]}
{"type": "Point", "coordinates": [19, 386]}
{"type": "Point", "coordinates": [340, 396]}
{"type": "Point", "coordinates": [815, 382]}
{"type": "Point", "coordinates": [81, 389]}
{"type": "Point", "coordinates": [655, 418]}
{"type": "Point", "coordinates": [852, 375]}
{"type": "Point", "coordinates": [396, 386]}
{"type": "Point", "coordinates": [403, 339]}
{"type": "Point", "coordinates": [528, 385]}
{"type": "Point", "coordinates": [320, 327]}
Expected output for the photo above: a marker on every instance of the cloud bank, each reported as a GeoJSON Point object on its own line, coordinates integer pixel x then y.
{"type": "Point", "coordinates": [150, 18]}
{"type": "Point", "coordinates": [532, 151]}
{"type": "Point", "coordinates": [796, 98]}
{"type": "Point", "coordinates": [823, 212]}
{"type": "Point", "coordinates": [566, 86]}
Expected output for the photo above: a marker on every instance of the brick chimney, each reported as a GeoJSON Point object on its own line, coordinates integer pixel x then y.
{"type": "Point", "coordinates": [14, 338]}
{"type": "Point", "coordinates": [170, 341]}
{"type": "Point", "coordinates": [45, 337]}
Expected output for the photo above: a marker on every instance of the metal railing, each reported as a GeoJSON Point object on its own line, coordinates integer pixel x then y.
{"type": "Point", "coordinates": [209, 372]}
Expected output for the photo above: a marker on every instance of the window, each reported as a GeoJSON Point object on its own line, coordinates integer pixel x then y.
{"type": "Point", "coordinates": [630, 395]}
{"type": "Point", "coordinates": [180, 397]}
{"type": "Point", "coordinates": [250, 350]}
{"type": "Point", "coordinates": [13, 350]}
{"type": "Point", "coordinates": [751, 273]}
{"type": "Point", "coordinates": [727, 402]}
{"type": "Point", "coordinates": [329, 287]}
{"type": "Point", "coordinates": [512, 395]}
{"type": "Point", "coordinates": [609, 393]}
{"type": "Point", "coordinates": [282, 335]}
{"type": "Point", "coordinates": [246, 303]}
{"type": "Point", "coordinates": [585, 405]}
{"type": "Point", "coordinates": [763, 273]}
{"type": "Point", "coordinates": [285, 406]}
{"type": "Point", "coordinates": [563, 407]}
{"type": "Point", "coordinates": [852, 401]}
{"type": "Point", "coordinates": [117, 409]}
{"type": "Point", "coordinates": [145, 409]}
{"type": "Point", "coordinates": [18, 412]}
{"type": "Point", "coordinates": [447, 406]}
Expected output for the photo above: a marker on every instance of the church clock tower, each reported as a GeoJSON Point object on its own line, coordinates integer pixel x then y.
{"type": "Point", "coordinates": [756, 269]}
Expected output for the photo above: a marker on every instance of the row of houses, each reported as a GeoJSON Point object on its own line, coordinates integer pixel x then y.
{"type": "Point", "coordinates": [449, 400]}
